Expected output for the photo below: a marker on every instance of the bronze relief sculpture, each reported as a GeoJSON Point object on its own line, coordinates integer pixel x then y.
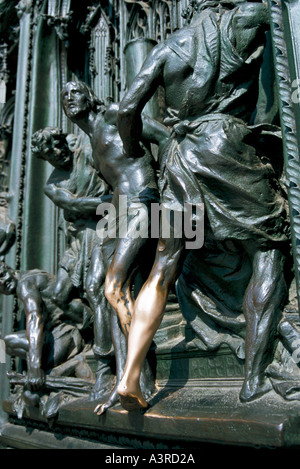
{"type": "Point", "coordinates": [211, 164]}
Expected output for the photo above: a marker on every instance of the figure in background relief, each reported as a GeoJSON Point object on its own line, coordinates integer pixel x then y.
{"type": "Point", "coordinates": [7, 226]}
{"type": "Point", "coordinates": [55, 340]}
{"type": "Point", "coordinates": [210, 72]}
{"type": "Point", "coordinates": [76, 188]}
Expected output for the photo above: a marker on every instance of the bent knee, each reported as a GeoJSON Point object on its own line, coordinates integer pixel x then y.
{"type": "Point", "coordinates": [13, 342]}
{"type": "Point", "coordinates": [92, 289]}
{"type": "Point", "coordinates": [94, 283]}
{"type": "Point", "coordinates": [110, 287]}
{"type": "Point", "coordinates": [113, 287]}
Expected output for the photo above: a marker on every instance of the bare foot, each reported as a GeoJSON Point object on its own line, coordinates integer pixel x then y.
{"type": "Point", "coordinates": [132, 401]}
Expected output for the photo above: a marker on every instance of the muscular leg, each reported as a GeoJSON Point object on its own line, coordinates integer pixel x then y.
{"type": "Point", "coordinates": [118, 291]}
{"type": "Point", "coordinates": [263, 302]}
{"type": "Point", "coordinates": [63, 288]}
{"type": "Point", "coordinates": [125, 262]}
{"type": "Point", "coordinates": [148, 313]}
{"type": "Point", "coordinates": [17, 344]}
{"type": "Point", "coordinates": [120, 273]}
{"type": "Point", "coordinates": [75, 366]}
{"type": "Point", "coordinates": [102, 323]}
{"type": "Point", "coordinates": [119, 343]}
{"type": "Point", "coordinates": [119, 277]}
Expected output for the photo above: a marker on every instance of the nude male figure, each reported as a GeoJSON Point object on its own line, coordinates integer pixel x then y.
{"type": "Point", "coordinates": [130, 177]}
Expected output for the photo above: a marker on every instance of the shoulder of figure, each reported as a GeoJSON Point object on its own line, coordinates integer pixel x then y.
{"type": "Point", "coordinates": [34, 277]}
{"type": "Point", "coordinates": [179, 39]}
{"type": "Point", "coordinates": [159, 53]}
{"type": "Point", "coordinates": [111, 113]}
{"type": "Point", "coordinates": [27, 285]}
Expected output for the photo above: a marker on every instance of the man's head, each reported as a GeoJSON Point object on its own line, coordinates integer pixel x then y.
{"type": "Point", "coordinates": [78, 100]}
{"type": "Point", "coordinates": [8, 279]}
{"type": "Point", "coordinates": [50, 144]}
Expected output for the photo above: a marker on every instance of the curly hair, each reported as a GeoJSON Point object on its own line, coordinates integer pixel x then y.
{"type": "Point", "coordinates": [4, 268]}
{"type": "Point", "coordinates": [45, 140]}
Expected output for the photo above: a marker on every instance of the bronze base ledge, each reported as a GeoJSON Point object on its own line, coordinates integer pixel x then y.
{"type": "Point", "coordinates": [178, 417]}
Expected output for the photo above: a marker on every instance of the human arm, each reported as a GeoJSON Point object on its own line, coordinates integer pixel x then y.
{"type": "Point", "coordinates": [145, 84]}
{"type": "Point", "coordinates": [154, 131]}
{"type": "Point", "coordinates": [65, 200]}
{"type": "Point", "coordinates": [32, 303]}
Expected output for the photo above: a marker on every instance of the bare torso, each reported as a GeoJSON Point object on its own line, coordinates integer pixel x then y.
{"type": "Point", "coordinates": [178, 71]}
{"type": "Point", "coordinates": [193, 93]}
{"type": "Point", "coordinates": [129, 176]}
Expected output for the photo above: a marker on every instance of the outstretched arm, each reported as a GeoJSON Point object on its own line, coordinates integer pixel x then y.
{"type": "Point", "coordinates": [78, 205]}
{"type": "Point", "coordinates": [145, 84]}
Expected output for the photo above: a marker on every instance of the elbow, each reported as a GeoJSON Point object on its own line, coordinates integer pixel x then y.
{"type": "Point", "coordinates": [126, 111]}
{"type": "Point", "coordinates": [47, 191]}
{"type": "Point", "coordinates": [50, 192]}
{"type": "Point", "coordinates": [129, 106]}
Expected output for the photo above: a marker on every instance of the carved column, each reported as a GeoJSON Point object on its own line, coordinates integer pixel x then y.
{"type": "Point", "coordinates": [39, 215]}
{"type": "Point", "coordinates": [287, 70]}
{"type": "Point", "coordinates": [17, 170]}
